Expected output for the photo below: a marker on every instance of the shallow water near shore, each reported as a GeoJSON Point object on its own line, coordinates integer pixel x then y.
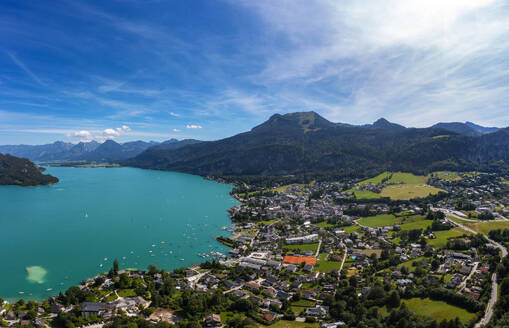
{"type": "Point", "coordinates": [52, 237]}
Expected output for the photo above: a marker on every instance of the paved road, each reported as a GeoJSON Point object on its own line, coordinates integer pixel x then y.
{"type": "Point", "coordinates": [318, 249]}
{"type": "Point", "coordinates": [345, 250]}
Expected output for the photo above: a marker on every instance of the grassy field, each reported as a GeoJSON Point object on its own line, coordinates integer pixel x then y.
{"type": "Point", "coordinates": [326, 266]}
{"type": "Point", "coordinates": [350, 229]}
{"type": "Point", "coordinates": [408, 191]}
{"type": "Point", "coordinates": [486, 227]}
{"type": "Point", "coordinates": [364, 194]}
{"type": "Point", "coordinates": [438, 310]}
{"type": "Point", "coordinates": [446, 175]}
{"type": "Point", "coordinates": [443, 236]}
{"type": "Point", "coordinates": [324, 224]}
{"type": "Point", "coordinates": [378, 179]}
{"type": "Point", "coordinates": [409, 264]}
{"type": "Point", "coordinates": [421, 224]}
{"type": "Point", "coordinates": [302, 247]}
{"type": "Point", "coordinates": [407, 178]}
{"type": "Point", "coordinates": [381, 220]}
{"type": "Point", "coordinates": [126, 293]}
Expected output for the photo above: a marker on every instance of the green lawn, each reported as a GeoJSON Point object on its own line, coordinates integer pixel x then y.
{"type": "Point", "coordinates": [442, 237]}
{"type": "Point", "coordinates": [325, 266]}
{"type": "Point", "coordinates": [350, 229]}
{"type": "Point", "coordinates": [301, 305]}
{"type": "Point", "coordinates": [126, 293]}
{"type": "Point", "coordinates": [438, 310]}
{"type": "Point", "coordinates": [302, 247]}
{"type": "Point", "coordinates": [324, 224]}
{"type": "Point", "coordinates": [408, 191]}
{"type": "Point", "coordinates": [409, 264]}
{"type": "Point", "coordinates": [381, 220]}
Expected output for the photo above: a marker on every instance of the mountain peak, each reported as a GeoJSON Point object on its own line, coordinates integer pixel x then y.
{"type": "Point", "coordinates": [307, 121]}
{"type": "Point", "coordinates": [383, 123]}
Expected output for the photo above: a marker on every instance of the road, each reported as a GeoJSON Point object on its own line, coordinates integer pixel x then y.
{"type": "Point", "coordinates": [318, 249]}
{"type": "Point", "coordinates": [494, 286]}
{"type": "Point", "coordinates": [345, 251]}
{"type": "Point", "coordinates": [464, 282]}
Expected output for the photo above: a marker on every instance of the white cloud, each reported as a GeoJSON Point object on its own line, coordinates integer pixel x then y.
{"type": "Point", "coordinates": [193, 126]}
{"type": "Point", "coordinates": [83, 134]}
{"type": "Point", "coordinates": [111, 132]}
{"type": "Point", "coordinates": [417, 61]}
{"type": "Point", "coordinates": [174, 114]}
{"type": "Point", "coordinates": [176, 130]}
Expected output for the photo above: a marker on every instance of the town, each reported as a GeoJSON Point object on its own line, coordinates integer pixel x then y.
{"type": "Point", "coordinates": [396, 250]}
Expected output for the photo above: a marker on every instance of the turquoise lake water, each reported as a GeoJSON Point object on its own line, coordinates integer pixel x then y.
{"type": "Point", "coordinates": [52, 237]}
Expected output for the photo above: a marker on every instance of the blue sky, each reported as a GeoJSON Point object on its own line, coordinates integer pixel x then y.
{"type": "Point", "coordinates": [153, 70]}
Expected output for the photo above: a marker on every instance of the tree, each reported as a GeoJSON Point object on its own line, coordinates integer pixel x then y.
{"type": "Point", "coordinates": [115, 266]}
{"type": "Point", "coordinates": [394, 300]}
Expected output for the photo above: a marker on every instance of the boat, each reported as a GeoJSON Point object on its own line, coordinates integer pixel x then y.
{"type": "Point", "coordinates": [49, 289]}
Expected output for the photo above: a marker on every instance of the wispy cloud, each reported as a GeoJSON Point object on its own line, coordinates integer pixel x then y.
{"type": "Point", "coordinates": [193, 126]}
{"type": "Point", "coordinates": [25, 69]}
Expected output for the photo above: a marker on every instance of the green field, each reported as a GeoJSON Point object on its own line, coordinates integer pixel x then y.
{"type": "Point", "coordinates": [408, 191]}
{"type": "Point", "coordinates": [407, 178]}
{"type": "Point", "coordinates": [324, 224]}
{"type": "Point", "coordinates": [486, 227]}
{"type": "Point", "coordinates": [376, 180]}
{"type": "Point", "coordinates": [446, 175]}
{"type": "Point", "coordinates": [364, 194]}
{"type": "Point", "coordinates": [302, 247]}
{"type": "Point", "coordinates": [438, 310]}
{"type": "Point", "coordinates": [350, 229]}
{"type": "Point", "coordinates": [409, 264]}
{"type": "Point", "coordinates": [442, 237]}
{"type": "Point", "coordinates": [421, 224]}
{"type": "Point", "coordinates": [325, 266]}
{"type": "Point", "coordinates": [381, 220]}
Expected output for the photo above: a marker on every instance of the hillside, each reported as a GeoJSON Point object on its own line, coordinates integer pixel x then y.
{"type": "Point", "coordinates": [21, 171]}
{"type": "Point", "coordinates": [306, 143]}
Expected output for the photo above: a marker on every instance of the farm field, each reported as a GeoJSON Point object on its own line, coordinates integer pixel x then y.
{"type": "Point", "coordinates": [486, 227]}
{"type": "Point", "coordinates": [381, 220]}
{"type": "Point", "coordinates": [364, 194]}
{"type": "Point", "coordinates": [408, 191]}
{"type": "Point", "coordinates": [421, 224]}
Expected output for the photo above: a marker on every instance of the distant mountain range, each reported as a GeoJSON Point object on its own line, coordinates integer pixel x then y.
{"type": "Point", "coordinates": [301, 143]}
{"type": "Point", "coordinates": [306, 143]}
{"type": "Point", "coordinates": [21, 171]}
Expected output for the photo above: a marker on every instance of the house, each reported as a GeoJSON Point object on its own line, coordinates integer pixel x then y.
{"type": "Point", "coordinates": [97, 309]}
{"type": "Point", "coordinates": [317, 311]}
{"type": "Point", "coordinates": [308, 267]}
{"type": "Point", "coordinates": [213, 320]}
{"type": "Point", "coordinates": [251, 285]}
{"type": "Point", "coordinates": [333, 325]}
{"type": "Point", "coordinates": [268, 317]}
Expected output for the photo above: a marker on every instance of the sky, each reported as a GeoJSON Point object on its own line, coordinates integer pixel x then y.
{"type": "Point", "coordinates": [77, 70]}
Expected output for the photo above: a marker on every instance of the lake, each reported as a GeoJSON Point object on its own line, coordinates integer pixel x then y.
{"type": "Point", "coordinates": [52, 237]}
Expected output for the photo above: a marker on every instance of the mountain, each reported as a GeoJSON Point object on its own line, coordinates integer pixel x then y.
{"type": "Point", "coordinates": [38, 152]}
{"type": "Point", "coordinates": [308, 144]}
{"type": "Point", "coordinates": [174, 143]}
{"type": "Point", "coordinates": [481, 129]}
{"type": "Point", "coordinates": [111, 151]}
{"type": "Point", "coordinates": [467, 128]}
{"type": "Point", "coordinates": [21, 171]}
{"type": "Point", "coordinates": [382, 123]}
{"type": "Point", "coordinates": [84, 151]}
